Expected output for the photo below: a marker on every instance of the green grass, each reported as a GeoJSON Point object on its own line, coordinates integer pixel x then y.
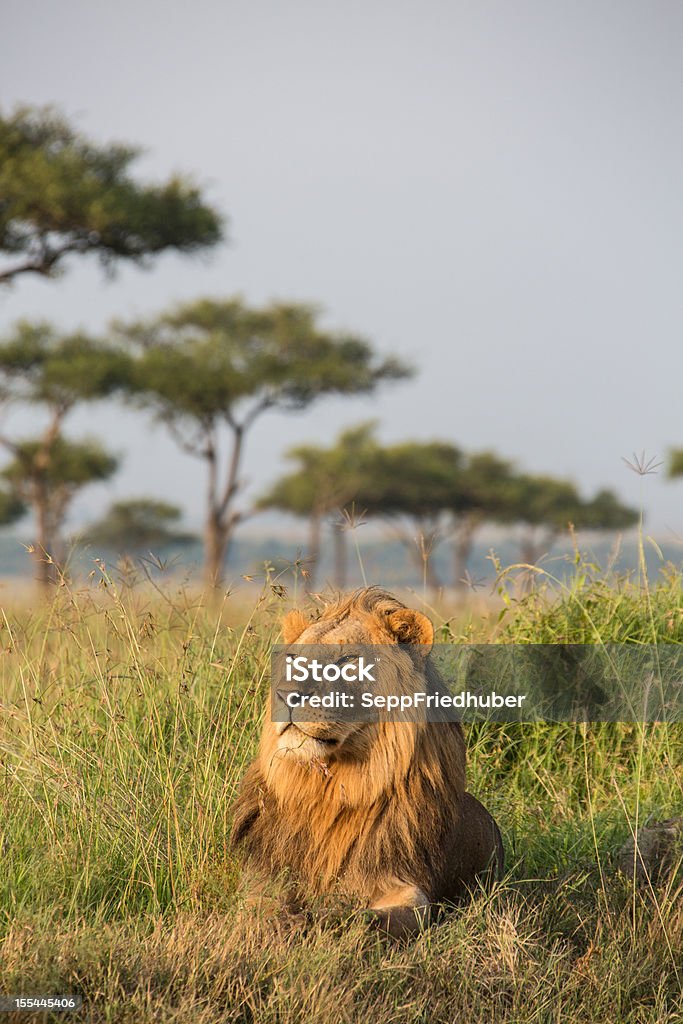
{"type": "Point", "coordinates": [126, 722]}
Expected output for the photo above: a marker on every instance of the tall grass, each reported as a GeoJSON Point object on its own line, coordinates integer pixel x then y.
{"type": "Point", "coordinates": [126, 720]}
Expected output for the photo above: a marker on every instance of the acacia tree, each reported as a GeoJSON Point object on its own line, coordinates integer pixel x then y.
{"type": "Point", "coordinates": [42, 368]}
{"type": "Point", "coordinates": [482, 491]}
{"type": "Point", "coordinates": [63, 195]}
{"type": "Point", "coordinates": [545, 506]}
{"type": "Point", "coordinates": [605, 512]}
{"type": "Point", "coordinates": [327, 480]}
{"type": "Point", "coordinates": [50, 487]}
{"type": "Point", "coordinates": [136, 525]}
{"type": "Point", "coordinates": [415, 486]}
{"type": "Point", "coordinates": [211, 368]}
{"type": "Point", "coordinates": [303, 493]}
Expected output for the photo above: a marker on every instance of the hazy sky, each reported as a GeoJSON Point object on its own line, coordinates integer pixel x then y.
{"type": "Point", "coordinates": [491, 189]}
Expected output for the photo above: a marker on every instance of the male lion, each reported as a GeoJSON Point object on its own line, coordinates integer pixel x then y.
{"type": "Point", "coordinates": [373, 811]}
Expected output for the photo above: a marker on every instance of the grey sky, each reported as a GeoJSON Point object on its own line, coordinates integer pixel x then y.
{"type": "Point", "coordinates": [491, 189]}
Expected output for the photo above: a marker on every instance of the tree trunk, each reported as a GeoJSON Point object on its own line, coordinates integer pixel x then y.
{"type": "Point", "coordinates": [313, 554]}
{"type": "Point", "coordinates": [532, 547]}
{"type": "Point", "coordinates": [533, 544]}
{"type": "Point", "coordinates": [42, 553]}
{"type": "Point", "coordinates": [340, 559]}
{"type": "Point", "coordinates": [462, 550]}
{"type": "Point", "coordinates": [220, 520]}
{"type": "Point", "coordinates": [47, 517]}
{"type": "Point", "coordinates": [216, 538]}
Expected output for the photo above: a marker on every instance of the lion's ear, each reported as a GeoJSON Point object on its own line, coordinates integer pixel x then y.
{"type": "Point", "coordinates": [293, 625]}
{"type": "Point", "coordinates": [411, 627]}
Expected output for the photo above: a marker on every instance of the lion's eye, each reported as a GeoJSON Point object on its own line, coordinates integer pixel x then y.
{"type": "Point", "coordinates": [345, 659]}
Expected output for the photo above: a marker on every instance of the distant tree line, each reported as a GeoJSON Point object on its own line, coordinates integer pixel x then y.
{"type": "Point", "coordinates": [432, 492]}
{"type": "Point", "coordinates": [207, 370]}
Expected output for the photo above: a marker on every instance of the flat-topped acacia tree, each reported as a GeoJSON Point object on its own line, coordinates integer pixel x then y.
{"type": "Point", "coordinates": [62, 195]}
{"type": "Point", "coordinates": [481, 494]}
{"type": "Point", "coordinates": [210, 368]}
{"type": "Point", "coordinates": [50, 486]}
{"type": "Point", "coordinates": [53, 373]}
{"type": "Point", "coordinates": [137, 525]}
{"type": "Point", "coordinates": [416, 487]}
{"type": "Point", "coordinates": [546, 506]}
{"type": "Point", "coordinates": [326, 481]}
{"type": "Point", "coordinates": [412, 484]}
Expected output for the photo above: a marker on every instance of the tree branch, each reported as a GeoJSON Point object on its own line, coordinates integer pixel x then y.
{"type": "Point", "coordinates": [44, 262]}
{"type": "Point", "coordinates": [190, 447]}
{"type": "Point", "coordinates": [265, 403]}
{"type": "Point", "coordinates": [209, 454]}
{"type": "Point", "coordinates": [232, 481]}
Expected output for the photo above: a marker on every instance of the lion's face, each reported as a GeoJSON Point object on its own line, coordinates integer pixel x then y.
{"type": "Point", "coordinates": [312, 735]}
{"type": "Point", "coordinates": [368, 617]}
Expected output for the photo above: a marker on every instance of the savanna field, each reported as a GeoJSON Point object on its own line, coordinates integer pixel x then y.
{"type": "Point", "coordinates": [127, 716]}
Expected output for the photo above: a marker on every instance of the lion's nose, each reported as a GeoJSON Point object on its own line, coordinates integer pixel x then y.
{"type": "Point", "coordinates": [284, 694]}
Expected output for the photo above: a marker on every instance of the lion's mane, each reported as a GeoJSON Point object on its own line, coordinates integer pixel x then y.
{"type": "Point", "coordinates": [388, 809]}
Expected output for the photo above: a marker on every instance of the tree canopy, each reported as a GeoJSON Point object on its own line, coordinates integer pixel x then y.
{"type": "Point", "coordinates": [606, 512]}
{"type": "Point", "coordinates": [432, 491]}
{"type": "Point", "coordinates": [214, 366]}
{"type": "Point", "coordinates": [207, 360]}
{"type": "Point", "coordinates": [72, 465]}
{"type": "Point", "coordinates": [50, 485]}
{"type": "Point", "coordinates": [39, 365]}
{"type": "Point", "coordinates": [136, 525]}
{"type": "Point", "coordinates": [537, 500]}
{"type": "Point", "coordinates": [326, 479]}
{"type": "Point", "coordinates": [63, 195]}
{"type": "Point", "coordinates": [417, 479]}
